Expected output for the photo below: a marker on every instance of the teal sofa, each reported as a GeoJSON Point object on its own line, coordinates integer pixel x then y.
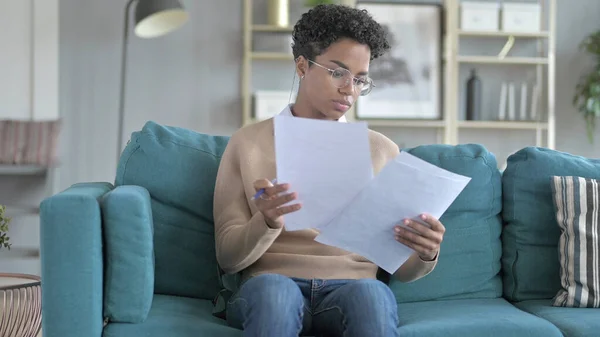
{"type": "Point", "coordinates": [136, 258]}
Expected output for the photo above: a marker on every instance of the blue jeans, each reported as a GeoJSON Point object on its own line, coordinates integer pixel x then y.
{"type": "Point", "coordinates": [272, 305]}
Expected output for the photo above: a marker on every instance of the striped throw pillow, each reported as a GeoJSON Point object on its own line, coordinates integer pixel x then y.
{"type": "Point", "coordinates": [24, 142]}
{"type": "Point", "coordinates": [577, 202]}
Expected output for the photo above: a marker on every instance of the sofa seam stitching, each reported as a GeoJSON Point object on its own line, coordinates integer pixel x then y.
{"type": "Point", "coordinates": [180, 144]}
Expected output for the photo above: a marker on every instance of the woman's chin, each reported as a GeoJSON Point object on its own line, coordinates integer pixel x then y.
{"type": "Point", "coordinates": [334, 114]}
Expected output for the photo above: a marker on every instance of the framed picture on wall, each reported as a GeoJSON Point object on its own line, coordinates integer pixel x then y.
{"type": "Point", "coordinates": [408, 78]}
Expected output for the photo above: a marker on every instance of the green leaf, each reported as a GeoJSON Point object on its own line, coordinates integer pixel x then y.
{"type": "Point", "coordinates": [596, 108]}
{"type": "Point", "coordinates": [4, 221]}
{"type": "Point", "coordinates": [589, 104]}
{"type": "Point", "coordinates": [595, 89]}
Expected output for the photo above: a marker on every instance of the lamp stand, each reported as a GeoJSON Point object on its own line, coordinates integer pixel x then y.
{"type": "Point", "coordinates": [123, 77]}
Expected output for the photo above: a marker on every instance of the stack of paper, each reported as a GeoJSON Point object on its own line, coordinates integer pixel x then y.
{"type": "Point", "coordinates": [326, 163]}
{"type": "Point", "coordinates": [352, 209]}
{"type": "Point", "coordinates": [406, 188]}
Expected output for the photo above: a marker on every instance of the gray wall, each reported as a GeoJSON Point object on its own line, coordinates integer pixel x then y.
{"type": "Point", "coordinates": [191, 78]}
{"type": "Point", "coordinates": [576, 19]}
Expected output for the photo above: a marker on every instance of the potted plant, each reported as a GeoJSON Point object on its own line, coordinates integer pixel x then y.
{"type": "Point", "coordinates": [4, 221]}
{"type": "Point", "coordinates": [587, 91]}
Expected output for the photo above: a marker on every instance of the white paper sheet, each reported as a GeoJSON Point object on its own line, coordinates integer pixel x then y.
{"type": "Point", "coordinates": [405, 188]}
{"type": "Point", "coordinates": [327, 163]}
{"type": "Point", "coordinates": [420, 164]}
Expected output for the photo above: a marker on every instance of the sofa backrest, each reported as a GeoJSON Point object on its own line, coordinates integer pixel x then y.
{"type": "Point", "coordinates": [178, 167]}
{"type": "Point", "coordinates": [531, 233]}
{"type": "Point", "coordinates": [469, 262]}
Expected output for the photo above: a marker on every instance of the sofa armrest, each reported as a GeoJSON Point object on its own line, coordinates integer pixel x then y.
{"type": "Point", "coordinates": [72, 261]}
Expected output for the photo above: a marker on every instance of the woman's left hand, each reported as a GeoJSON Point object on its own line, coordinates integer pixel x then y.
{"type": "Point", "coordinates": [423, 240]}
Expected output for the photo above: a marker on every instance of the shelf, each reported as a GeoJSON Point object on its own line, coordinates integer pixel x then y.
{"type": "Point", "coordinates": [271, 56]}
{"type": "Point", "coordinates": [18, 211]}
{"type": "Point", "coordinates": [22, 170]}
{"type": "Point", "coordinates": [506, 60]}
{"type": "Point", "coordinates": [502, 125]}
{"type": "Point", "coordinates": [542, 34]}
{"type": "Point", "coordinates": [25, 252]}
{"type": "Point", "coordinates": [271, 29]}
{"type": "Point", "coordinates": [412, 123]}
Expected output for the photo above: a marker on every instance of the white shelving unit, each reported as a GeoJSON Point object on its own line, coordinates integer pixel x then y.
{"type": "Point", "coordinates": [450, 126]}
{"type": "Point", "coordinates": [30, 85]}
{"type": "Point", "coordinates": [543, 61]}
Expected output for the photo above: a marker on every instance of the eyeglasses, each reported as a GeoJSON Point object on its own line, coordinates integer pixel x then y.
{"type": "Point", "coordinates": [341, 77]}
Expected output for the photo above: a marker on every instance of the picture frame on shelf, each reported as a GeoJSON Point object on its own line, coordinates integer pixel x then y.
{"type": "Point", "coordinates": [408, 78]}
{"type": "Point", "coordinates": [268, 103]}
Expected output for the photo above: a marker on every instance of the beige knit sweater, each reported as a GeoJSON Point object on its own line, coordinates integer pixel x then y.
{"type": "Point", "coordinates": [244, 242]}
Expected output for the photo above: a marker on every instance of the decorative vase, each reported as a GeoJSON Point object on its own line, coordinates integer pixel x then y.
{"type": "Point", "coordinates": [279, 13]}
{"type": "Point", "coordinates": [473, 97]}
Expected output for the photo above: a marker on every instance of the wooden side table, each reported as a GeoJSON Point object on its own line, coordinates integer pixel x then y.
{"type": "Point", "coordinates": [20, 305]}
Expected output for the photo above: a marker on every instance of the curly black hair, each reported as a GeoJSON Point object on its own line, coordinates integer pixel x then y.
{"type": "Point", "coordinates": [324, 25]}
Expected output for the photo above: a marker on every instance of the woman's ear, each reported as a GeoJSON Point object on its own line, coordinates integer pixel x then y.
{"type": "Point", "coordinates": [301, 66]}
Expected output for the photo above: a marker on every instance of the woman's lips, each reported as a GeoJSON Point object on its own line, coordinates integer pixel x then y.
{"type": "Point", "coordinates": [341, 106]}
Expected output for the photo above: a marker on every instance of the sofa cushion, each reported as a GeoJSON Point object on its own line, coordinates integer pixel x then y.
{"type": "Point", "coordinates": [573, 322]}
{"type": "Point", "coordinates": [176, 317]}
{"type": "Point", "coordinates": [129, 254]}
{"type": "Point", "coordinates": [471, 318]}
{"type": "Point", "coordinates": [531, 233]}
{"type": "Point", "coordinates": [187, 317]}
{"type": "Point", "coordinates": [577, 207]}
{"type": "Point", "coordinates": [469, 260]}
{"type": "Point", "coordinates": [178, 167]}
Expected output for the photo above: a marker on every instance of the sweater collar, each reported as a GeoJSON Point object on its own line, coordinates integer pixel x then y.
{"type": "Point", "coordinates": [287, 111]}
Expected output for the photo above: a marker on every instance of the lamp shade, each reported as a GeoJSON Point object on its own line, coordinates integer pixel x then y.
{"type": "Point", "coordinates": [154, 18]}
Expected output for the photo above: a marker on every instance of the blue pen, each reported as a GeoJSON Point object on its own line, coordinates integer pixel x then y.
{"type": "Point", "coordinates": [262, 190]}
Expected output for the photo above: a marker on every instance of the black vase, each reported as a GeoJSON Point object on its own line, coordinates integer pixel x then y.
{"type": "Point", "coordinates": [473, 97]}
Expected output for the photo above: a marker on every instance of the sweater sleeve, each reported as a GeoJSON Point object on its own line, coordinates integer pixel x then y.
{"type": "Point", "coordinates": [240, 237]}
{"type": "Point", "coordinates": [415, 268]}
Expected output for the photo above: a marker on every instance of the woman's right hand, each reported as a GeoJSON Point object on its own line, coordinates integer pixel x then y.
{"type": "Point", "coordinates": [271, 202]}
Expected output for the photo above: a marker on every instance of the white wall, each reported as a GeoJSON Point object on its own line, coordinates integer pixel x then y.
{"type": "Point", "coordinates": [29, 59]}
{"type": "Point", "coordinates": [189, 78]}
{"type": "Point", "coordinates": [29, 80]}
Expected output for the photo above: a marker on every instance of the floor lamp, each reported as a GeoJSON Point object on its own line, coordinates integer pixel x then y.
{"type": "Point", "coordinates": [153, 18]}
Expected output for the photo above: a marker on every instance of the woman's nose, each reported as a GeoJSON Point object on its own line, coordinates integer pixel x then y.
{"type": "Point", "coordinates": [348, 89]}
